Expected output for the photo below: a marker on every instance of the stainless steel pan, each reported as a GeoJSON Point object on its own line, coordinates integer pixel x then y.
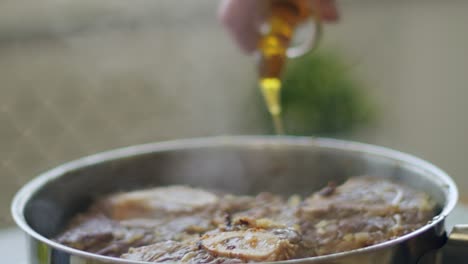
{"type": "Point", "coordinates": [245, 165]}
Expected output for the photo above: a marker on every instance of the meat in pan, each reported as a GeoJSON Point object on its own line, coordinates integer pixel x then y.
{"type": "Point", "coordinates": [190, 225]}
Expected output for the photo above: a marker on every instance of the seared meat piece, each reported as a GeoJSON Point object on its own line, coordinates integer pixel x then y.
{"type": "Point", "coordinates": [370, 194]}
{"type": "Point", "coordinates": [98, 234]}
{"type": "Point", "coordinates": [133, 219]}
{"type": "Point", "coordinates": [361, 212]}
{"type": "Point", "coordinates": [179, 224]}
{"type": "Point", "coordinates": [269, 206]}
{"type": "Point", "coordinates": [250, 245]}
{"type": "Point", "coordinates": [158, 202]}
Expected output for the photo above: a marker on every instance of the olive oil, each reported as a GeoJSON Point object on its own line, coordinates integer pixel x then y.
{"type": "Point", "coordinates": [271, 88]}
{"type": "Point", "coordinates": [284, 16]}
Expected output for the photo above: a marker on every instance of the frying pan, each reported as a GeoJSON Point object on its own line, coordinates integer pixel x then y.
{"type": "Point", "coordinates": [241, 165]}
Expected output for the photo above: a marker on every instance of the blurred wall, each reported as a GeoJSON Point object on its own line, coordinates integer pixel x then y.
{"type": "Point", "coordinates": [86, 76]}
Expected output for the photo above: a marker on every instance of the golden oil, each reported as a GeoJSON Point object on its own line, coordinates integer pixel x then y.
{"type": "Point", "coordinates": [284, 16]}
{"type": "Point", "coordinates": [271, 88]}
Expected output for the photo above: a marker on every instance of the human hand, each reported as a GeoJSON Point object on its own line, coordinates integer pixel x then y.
{"type": "Point", "coordinates": [242, 18]}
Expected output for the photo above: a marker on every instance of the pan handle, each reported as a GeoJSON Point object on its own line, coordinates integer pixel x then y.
{"type": "Point", "coordinates": [459, 235]}
{"type": "Point", "coordinates": [454, 251]}
{"type": "Point", "coordinates": [456, 248]}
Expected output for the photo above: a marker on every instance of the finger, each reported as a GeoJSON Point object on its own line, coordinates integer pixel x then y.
{"type": "Point", "coordinates": [241, 18]}
{"type": "Point", "coordinates": [327, 9]}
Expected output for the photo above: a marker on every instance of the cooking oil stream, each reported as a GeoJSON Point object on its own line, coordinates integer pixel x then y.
{"type": "Point", "coordinates": [271, 90]}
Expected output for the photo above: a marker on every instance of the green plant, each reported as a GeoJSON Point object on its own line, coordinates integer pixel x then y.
{"type": "Point", "coordinates": [320, 96]}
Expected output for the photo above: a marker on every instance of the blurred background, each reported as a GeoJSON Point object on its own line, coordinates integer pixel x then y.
{"type": "Point", "coordinates": [79, 77]}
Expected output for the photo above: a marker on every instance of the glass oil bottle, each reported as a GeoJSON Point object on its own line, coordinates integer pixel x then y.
{"type": "Point", "coordinates": [284, 17]}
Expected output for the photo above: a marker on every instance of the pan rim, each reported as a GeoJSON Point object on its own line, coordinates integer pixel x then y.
{"type": "Point", "coordinates": [24, 195]}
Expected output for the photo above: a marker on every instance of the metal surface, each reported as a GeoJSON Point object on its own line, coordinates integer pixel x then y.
{"type": "Point", "coordinates": [237, 164]}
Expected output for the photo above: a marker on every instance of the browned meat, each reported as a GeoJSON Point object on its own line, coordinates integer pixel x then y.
{"type": "Point", "coordinates": [158, 202]}
{"type": "Point", "coordinates": [249, 245]}
{"type": "Point", "coordinates": [362, 212]}
{"type": "Point", "coordinates": [98, 234]}
{"type": "Point", "coordinates": [186, 225]}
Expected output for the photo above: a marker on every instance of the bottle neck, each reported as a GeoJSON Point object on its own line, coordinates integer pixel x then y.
{"type": "Point", "coordinates": [283, 18]}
